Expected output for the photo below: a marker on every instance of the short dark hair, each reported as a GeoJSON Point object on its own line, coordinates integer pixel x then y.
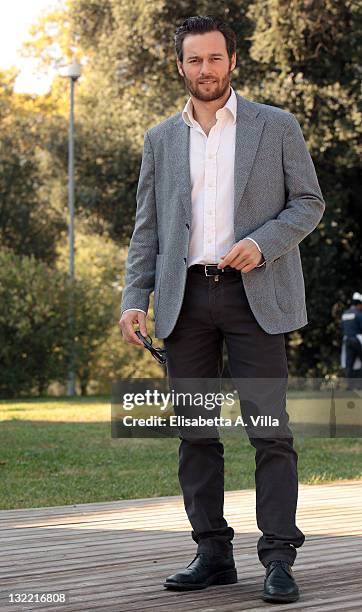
{"type": "Point", "coordinates": [200, 24]}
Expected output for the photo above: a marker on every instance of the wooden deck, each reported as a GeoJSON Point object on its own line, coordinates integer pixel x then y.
{"type": "Point", "coordinates": [114, 556]}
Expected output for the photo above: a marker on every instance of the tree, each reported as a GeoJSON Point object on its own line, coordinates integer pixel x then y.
{"type": "Point", "coordinates": [35, 338]}
{"type": "Point", "coordinates": [312, 51]}
{"type": "Point", "coordinates": [29, 223]}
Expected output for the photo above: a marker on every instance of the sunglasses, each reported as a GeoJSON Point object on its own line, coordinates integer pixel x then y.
{"type": "Point", "coordinates": [158, 353]}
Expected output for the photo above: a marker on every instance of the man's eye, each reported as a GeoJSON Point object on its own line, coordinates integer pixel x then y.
{"type": "Point", "coordinates": [213, 58]}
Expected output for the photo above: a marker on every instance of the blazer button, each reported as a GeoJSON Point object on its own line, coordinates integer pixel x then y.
{"type": "Point", "coordinates": [187, 225]}
{"type": "Point", "coordinates": [185, 259]}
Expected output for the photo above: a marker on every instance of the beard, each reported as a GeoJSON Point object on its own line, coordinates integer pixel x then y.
{"type": "Point", "coordinates": [208, 92]}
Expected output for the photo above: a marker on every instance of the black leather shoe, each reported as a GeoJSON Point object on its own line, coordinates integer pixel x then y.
{"type": "Point", "coordinates": [204, 570]}
{"type": "Point", "coordinates": [279, 583]}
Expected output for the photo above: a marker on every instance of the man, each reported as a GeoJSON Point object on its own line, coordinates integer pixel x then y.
{"type": "Point", "coordinates": [351, 353]}
{"type": "Point", "coordinates": [227, 190]}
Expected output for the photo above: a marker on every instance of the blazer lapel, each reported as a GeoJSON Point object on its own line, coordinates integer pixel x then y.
{"type": "Point", "coordinates": [179, 159]}
{"type": "Point", "coordinates": [249, 127]}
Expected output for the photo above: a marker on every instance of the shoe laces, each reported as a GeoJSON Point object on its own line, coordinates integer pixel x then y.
{"type": "Point", "coordinates": [194, 559]}
{"type": "Point", "coordinates": [284, 564]}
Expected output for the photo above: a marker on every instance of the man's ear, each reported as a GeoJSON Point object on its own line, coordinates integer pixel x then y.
{"type": "Point", "coordinates": [179, 67]}
{"type": "Point", "coordinates": [233, 62]}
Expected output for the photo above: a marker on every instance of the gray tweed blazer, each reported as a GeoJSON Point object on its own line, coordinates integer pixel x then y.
{"type": "Point", "coordinates": [278, 202]}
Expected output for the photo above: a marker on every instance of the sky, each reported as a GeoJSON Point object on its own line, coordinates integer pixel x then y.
{"type": "Point", "coordinates": [16, 16]}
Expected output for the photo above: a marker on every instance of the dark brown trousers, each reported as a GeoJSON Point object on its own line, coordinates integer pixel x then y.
{"type": "Point", "coordinates": [214, 312]}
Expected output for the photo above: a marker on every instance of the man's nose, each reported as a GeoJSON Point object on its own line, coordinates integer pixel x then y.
{"type": "Point", "coordinates": [205, 67]}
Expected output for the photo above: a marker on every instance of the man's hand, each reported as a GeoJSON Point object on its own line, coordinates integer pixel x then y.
{"type": "Point", "coordinates": [126, 325]}
{"type": "Point", "coordinates": [244, 256]}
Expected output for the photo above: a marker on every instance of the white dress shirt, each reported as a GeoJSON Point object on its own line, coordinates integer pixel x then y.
{"type": "Point", "coordinates": [212, 159]}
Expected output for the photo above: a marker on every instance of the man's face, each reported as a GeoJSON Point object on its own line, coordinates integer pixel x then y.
{"type": "Point", "coordinates": [205, 58]}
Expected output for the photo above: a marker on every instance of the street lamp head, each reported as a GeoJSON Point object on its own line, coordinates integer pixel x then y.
{"type": "Point", "coordinates": [72, 71]}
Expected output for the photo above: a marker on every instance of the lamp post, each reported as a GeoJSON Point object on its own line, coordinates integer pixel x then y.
{"type": "Point", "coordinates": [72, 72]}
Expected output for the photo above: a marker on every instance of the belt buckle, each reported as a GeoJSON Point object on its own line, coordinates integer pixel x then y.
{"type": "Point", "coordinates": [213, 266]}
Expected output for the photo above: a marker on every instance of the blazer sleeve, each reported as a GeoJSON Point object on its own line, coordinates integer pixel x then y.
{"type": "Point", "coordinates": [304, 206]}
{"type": "Point", "coordinates": [143, 247]}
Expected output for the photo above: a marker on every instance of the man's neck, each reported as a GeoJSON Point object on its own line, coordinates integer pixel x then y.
{"type": "Point", "coordinates": [205, 112]}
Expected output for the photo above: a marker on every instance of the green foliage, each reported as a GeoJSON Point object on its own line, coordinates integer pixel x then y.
{"type": "Point", "coordinates": [32, 325]}
{"type": "Point", "coordinates": [106, 181]}
{"type": "Point", "coordinates": [100, 260]}
{"type": "Point", "coordinates": [29, 223]}
{"type": "Point", "coordinates": [37, 341]}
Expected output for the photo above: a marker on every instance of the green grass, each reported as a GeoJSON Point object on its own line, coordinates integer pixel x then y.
{"type": "Point", "coordinates": [55, 452]}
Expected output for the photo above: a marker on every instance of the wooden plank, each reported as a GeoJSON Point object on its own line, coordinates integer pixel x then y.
{"type": "Point", "coordinates": [116, 555]}
{"type": "Point", "coordinates": [213, 599]}
{"type": "Point", "coordinates": [77, 554]}
{"type": "Point", "coordinates": [340, 489]}
{"type": "Point", "coordinates": [246, 519]}
{"type": "Point", "coordinates": [156, 543]}
{"type": "Point", "coordinates": [156, 574]}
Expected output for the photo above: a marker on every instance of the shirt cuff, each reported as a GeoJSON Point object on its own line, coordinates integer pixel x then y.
{"type": "Point", "coordinates": [259, 249]}
{"type": "Point", "coordinates": [139, 310]}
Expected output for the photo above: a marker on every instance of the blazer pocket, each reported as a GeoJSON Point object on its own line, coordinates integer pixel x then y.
{"type": "Point", "coordinates": [159, 262]}
{"type": "Point", "coordinates": [288, 282]}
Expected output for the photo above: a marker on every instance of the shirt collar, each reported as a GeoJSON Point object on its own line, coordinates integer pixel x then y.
{"type": "Point", "coordinates": [231, 105]}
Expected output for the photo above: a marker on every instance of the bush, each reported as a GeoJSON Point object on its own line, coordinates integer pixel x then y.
{"type": "Point", "coordinates": [36, 340]}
